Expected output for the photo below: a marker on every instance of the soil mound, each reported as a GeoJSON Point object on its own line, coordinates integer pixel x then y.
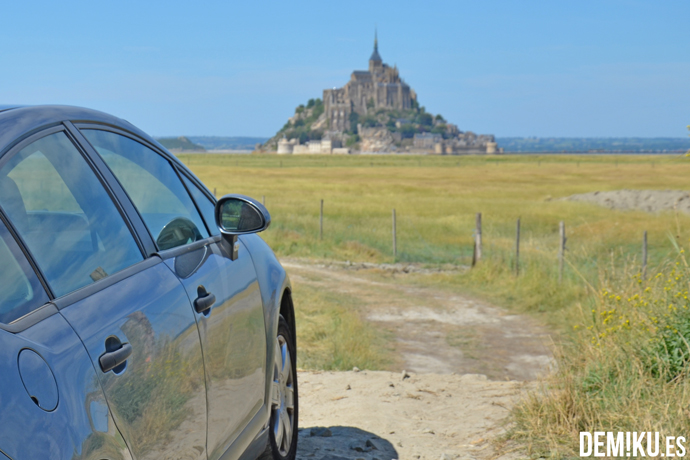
{"type": "Point", "coordinates": [639, 200]}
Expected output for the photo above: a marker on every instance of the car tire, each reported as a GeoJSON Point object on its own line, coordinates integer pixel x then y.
{"type": "Point", "coordinates": [282, 429]}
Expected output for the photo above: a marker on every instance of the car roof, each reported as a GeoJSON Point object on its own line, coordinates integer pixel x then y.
{"type": "Point", "coordinates": [4, 107]}
{"type": "Point", "coordinates": [18, 122]}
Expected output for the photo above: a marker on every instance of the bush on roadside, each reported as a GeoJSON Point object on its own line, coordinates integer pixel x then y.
{"type": "Point", "coordinates": [626, 368]}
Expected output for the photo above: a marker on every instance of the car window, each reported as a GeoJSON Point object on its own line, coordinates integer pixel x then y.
{"type": "Point", "coordinates": [21, 291]}
{"type": "Point", "coordinates": [64, 214]}
{"type": "Point", "coordinates": [205, 205]}
{"type": "Point", "coordinates": [153, 186]}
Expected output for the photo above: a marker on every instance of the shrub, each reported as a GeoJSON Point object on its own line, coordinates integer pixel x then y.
{"type": "Point", "coordinates": [625, 369]}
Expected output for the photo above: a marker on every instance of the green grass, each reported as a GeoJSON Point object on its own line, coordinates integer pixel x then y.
{"type": "Point", "coordinates": [331, 334]}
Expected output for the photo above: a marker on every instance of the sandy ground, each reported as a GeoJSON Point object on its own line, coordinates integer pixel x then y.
{"type": "Point", "coordinates": [642, 200]}
{"type": "Point", "coordinates": [468, 361]}
{"type": "Point", "coordinates": [374, 414]}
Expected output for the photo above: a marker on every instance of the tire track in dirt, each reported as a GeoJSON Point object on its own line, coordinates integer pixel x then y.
{"type": "Point", "coordinates": [437, 331]}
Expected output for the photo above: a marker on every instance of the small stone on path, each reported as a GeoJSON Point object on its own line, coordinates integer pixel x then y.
{"type": "Point", "coordinates": [321, 431]}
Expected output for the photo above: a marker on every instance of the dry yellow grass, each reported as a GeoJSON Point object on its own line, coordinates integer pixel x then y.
{"type": "Point", "coordinates": [436, 199]}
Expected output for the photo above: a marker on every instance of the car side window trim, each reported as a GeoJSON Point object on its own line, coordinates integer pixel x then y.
{"type": "Point", "coordinates": [27, 254]}
{"type": "Point", "coordinates": [89, 290]}
{"type": "Point", "coordinates": [181, 176]}
{"type": "Point", "coordinates": [176, 165]}
{"type": "Point", "coordinates": [181, 250]}
{"type": "Point", "coordinates": [30, 319]}
{"type": "Point", "coordinates": [143, 230]}
{"type": "Point", "coordinates": [137, 226]}
{"type": "Point", "coordinates": [194, 180]}
{"type": "Point", "coordinates": [38, 314]}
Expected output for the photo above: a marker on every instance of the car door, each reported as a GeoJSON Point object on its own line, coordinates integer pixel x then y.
{"type": "Point", "coordinates": [51, 403]}
{"type": "Point", "coordinates": [232, 333]}
{"type": "Point", "coordinates": [131, 313]}
{"type": "Point", "coordinates": [225, 292]}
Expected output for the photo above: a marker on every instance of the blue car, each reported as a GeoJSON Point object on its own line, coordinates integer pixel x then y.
{"type": "Point", "coordinates": [140, 318]}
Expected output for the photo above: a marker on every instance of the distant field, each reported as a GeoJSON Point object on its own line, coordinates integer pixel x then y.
{"type": "Point", "coordinates": [436, 199]}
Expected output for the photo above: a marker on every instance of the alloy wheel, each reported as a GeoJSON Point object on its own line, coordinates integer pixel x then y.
{"type": "Point", "coordinates": [283, 397]}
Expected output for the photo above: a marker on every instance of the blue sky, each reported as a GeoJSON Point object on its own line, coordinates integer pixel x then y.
{"type": "Point", "coordinates": [510, 68]}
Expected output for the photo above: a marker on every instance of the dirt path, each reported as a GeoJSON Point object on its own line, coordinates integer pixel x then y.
{"type": "Point", "coordinates": [468, 362]}
{"type": "Point", "coordinates": [436, 331]}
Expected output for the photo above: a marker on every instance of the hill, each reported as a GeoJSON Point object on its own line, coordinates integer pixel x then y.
{"type": "Point", "coordinates": [180, 144]}
{"type": "Point", "coordinates": [228, 143]}
{"type": "Point", "coordinates": [309, 123]}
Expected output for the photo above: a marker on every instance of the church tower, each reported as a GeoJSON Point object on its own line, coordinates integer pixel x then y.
{"type": "Point", "coordinates": [375, 61]}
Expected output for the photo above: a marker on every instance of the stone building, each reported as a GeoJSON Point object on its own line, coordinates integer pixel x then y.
{"type": "Point", "coordinates": [325, 145]}
{"type": "Point", "coordinates": [378, 87]}
{"type": "Point", "coordinates": [461, 143]}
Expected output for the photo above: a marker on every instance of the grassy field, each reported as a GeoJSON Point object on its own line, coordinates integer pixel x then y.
{"type": "Point", "coordinates": [436, 199]}
{"type": "Point", "coordinates": [633, 370]}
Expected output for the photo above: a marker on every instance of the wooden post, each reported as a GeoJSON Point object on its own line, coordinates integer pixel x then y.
{"type": "Point", "coordinates": [395, 239]}
{"type": "Point", "coordinates": [517, 248]}
{"type": "Point", "coordinates": [477, 254]}
{"type": "Point", "coordinates": [321, 222]}
{"type": "Point", "coordinates": [561, 250]}
{"type": "Point", "coordinates": [263, 200]}
{"type": "Point", "coordinates": [214, 192]}
{"type": "Point", "coordinates": [644, 255]}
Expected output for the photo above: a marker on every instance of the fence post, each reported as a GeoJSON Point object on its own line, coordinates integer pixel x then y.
{"type": "Point", "coordinates": [321, 221]}
{"type": "Point", "coordinates": [395, 239]}
{"type": "Point", "coordinates": [644, 255]}
{"type": "Point", "coordinates": [263, 200]}
{"type": "Point", "coordinates": [561, 250]}
{"type": "Point", "coordinates": [214, 192]}
{"type": "Point", "coordinates": [477, 254]}
{"type": "Point", "coordinates": [517, 248]}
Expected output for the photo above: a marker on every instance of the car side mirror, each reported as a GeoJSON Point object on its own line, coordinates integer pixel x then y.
{"type": "Point", "coordinates": [240, 215]}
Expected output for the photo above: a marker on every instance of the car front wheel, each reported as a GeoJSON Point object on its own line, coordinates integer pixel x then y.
{"type": "Point", "coordinates": [284, 401]}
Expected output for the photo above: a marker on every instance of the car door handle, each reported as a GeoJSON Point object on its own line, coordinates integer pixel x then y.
{"type": "Point", "coordinates": [204, 301]}
{"type": "Point", "coordinates": [111, 360]}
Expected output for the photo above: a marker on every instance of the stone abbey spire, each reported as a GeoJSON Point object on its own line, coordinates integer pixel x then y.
{"type": "Point", "coordinates": [375, 55]}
